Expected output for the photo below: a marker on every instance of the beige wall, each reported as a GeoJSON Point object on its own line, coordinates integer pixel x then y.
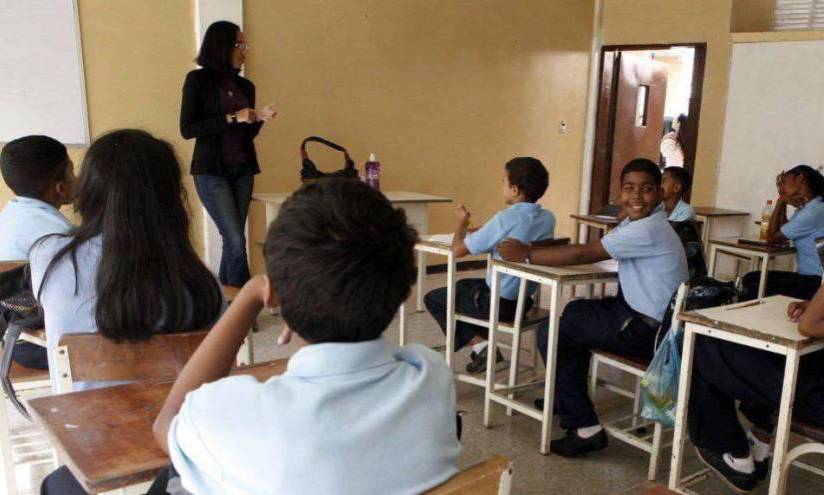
{"type": "Point", "coordinates": [646, 21]}
{"type": "Point", "coordinates": [444, 92]}
{"type": "Point", "coordinates": [752, 16]}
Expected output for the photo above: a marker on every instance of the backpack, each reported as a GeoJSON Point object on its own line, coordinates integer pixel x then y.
{"type": "Point", "coordinates": [693, 247]}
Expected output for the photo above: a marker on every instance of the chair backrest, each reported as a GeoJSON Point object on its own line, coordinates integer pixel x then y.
{"type": "Point", "coordinates": [490, 477]}
{"type": "Point", "coordinates": [93, 357]}
{"type": "Point", "coordinates": [558, 241]}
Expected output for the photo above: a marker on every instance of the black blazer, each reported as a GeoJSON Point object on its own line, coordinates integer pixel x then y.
{"type": "Point", "coordinates": [201, 118]}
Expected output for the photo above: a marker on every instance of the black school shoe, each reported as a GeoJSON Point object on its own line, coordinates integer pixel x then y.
{"type": "Point", "coordinates": [738, 481]}
{"type": "Point", "coordinates": [574, 446]}
{"type": "Point", "coordinates": [762, 468]}
{"type": "Point", "coordinates": [478, 363]}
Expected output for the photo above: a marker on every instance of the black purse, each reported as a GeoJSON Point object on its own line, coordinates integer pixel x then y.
{"type": "Point", "coordinates": [309, 172]}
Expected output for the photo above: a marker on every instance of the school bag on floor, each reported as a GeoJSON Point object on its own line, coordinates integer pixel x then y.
{"type": "Point", "coordinates": [659, 385]}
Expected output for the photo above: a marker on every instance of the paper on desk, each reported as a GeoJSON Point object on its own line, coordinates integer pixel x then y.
{"type": "Point", "coordinates": [441, 238]}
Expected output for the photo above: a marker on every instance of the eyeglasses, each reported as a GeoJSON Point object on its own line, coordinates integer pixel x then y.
{"type": "Point", "coordinates": [242, 46]}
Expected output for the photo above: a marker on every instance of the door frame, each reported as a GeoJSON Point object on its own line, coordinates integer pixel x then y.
{"type": "Point", "coordinates": [603, 132]}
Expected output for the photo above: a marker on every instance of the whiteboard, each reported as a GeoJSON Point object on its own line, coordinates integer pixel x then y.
{"type": "Point", "coordinates": [774, 120]}
{"type": "Point", "coordinates": [42, 89]}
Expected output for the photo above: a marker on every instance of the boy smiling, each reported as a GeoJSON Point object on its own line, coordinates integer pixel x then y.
{"type": "Point", "coordinates": [651, 266]}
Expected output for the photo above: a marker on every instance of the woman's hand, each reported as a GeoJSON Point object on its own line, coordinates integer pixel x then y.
{"type": "Point", "coordinates": [796, 309]}
{"type": "Point", "coordinates": [246, 116]}
{"type": "Point", "coordinates": [267, 113]}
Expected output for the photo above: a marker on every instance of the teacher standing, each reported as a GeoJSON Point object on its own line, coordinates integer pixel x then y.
{"type": "Point", "coordinates": [218, 110]}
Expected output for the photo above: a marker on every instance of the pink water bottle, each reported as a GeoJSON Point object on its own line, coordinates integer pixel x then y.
{"type": "Point", "coordinates": [373, 172]}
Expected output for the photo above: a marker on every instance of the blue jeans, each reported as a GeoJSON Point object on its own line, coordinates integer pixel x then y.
{"type": "Point", "coordinates": [226, 198]}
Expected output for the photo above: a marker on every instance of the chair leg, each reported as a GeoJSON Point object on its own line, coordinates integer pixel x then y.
{"type": "Point", "coordinates": [513, 362]}
{"type": "Point", "coordinates": [402, 324]}
{"type": "Point", "coordinates": [658, 432]}
{"type": "Point", "coordinates": [7, 478]}
{"type": "Point", "coordinates": [636, 403]}
{"type": "Point", "coordinates": [593, 377]}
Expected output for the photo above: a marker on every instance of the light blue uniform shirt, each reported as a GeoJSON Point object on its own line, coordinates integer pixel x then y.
{"type": "Point", "coordinates": [525, 222]}
{"type": "Point", "coordinates": [682, 212]}
{"type": "Point", "coordinates": [651, 262]}
{"type": "Point", "coordinates": [345, 418]}
{"type": "Point", "coordinates": [805, 226]}
{"type": "Point", "coordinates": [23, 221]}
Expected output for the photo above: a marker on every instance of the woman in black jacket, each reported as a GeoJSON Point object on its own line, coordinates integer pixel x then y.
{"type": "Point", "coordinates": [218, 110]}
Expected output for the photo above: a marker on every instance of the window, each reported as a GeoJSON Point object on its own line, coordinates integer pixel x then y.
{"type": "Point", "coordinates": [798, 14]}
{"type": "Point", "coordinates": [641, 106]}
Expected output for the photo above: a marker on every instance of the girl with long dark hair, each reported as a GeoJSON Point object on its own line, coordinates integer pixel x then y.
{"type": "Point", "coordinates": [129, 269]}
{"type": "Point", "coordinates": [218, 110]}
{"type": "Point", "coordinates": [802, 187]}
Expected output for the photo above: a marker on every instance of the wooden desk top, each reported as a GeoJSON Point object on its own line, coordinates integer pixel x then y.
{"type": "Point", "coordinates": [711, 211]}
{"type": "Point", "coordinates": [603, 270]}
{"type": "Point", "coordinates": [105, 435]}
{"type": "Point", "coordinates": [755, 248]}
{"type": "Point", "coordinates": [10, 265]}
{"type": "Point", "coordinates": [766, 321]}
{"type": "Point", "coordinates": [600, 219]}
{"type": "Point", "coordinates": [393, 196]}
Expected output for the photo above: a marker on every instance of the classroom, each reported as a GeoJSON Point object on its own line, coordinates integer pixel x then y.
{"type": "Point", "coordinates": [412, 247]}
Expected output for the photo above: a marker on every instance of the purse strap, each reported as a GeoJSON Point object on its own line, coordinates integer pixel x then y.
{"type": "Point", "coordinates": [334, 146]}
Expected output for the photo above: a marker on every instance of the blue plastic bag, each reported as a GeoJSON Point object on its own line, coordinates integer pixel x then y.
{"type": "Point", "coordinates": [659, 386]}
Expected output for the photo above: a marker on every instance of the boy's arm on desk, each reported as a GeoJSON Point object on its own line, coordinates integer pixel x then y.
{"type": "Point", "coordinates": [572, 254]}
{"type": "Point", "coordinates": [811, 321]}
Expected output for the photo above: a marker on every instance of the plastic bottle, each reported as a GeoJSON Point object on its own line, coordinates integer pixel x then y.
{"type": "Point", "coordinates": [373, 172]}
{"type": "Point", "coordinates": [766, 214]}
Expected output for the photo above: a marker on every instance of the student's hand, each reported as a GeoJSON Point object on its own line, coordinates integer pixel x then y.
{"type": "Point", "coordinates": [513, 250]}
{"type": "Point", "coordinates": [267, 113]}
{"type": "Point", "coordinates": [796, 309]}
{"type": "Point", "coordinates": [285, 335]}
{"type": "Point", "coordinates": [462, 214]}
{"type": "Point", "coordinates": [246, 116]}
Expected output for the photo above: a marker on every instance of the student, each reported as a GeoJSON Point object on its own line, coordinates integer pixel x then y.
{"type": "Point", "coordinates": [675, 182]}
{"type": "Point", "coordinates": [352, 413]}
{"type": "Point", "coordinates": [651, 266]}
{"type": "Point", "coordinates": [802, 187]}
{"type": "Point", "coordinates": [525, 181]}
{"type": "Point", "coordinates": [723, 373]}
{"type": "Point", "coordinates": [129, 269]}
{"type": "Point", "coordinates": [40, 173]}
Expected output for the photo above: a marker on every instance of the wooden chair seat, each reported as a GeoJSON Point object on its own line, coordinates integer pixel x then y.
{"type": "Point", "coordinates": [21, 374]}
{"type": "Point", "coordinates": [641, 364]}
{"type": "Point", "coordinates": [490, 477]}
{"type": "Point", "coordinates": [813, 432]}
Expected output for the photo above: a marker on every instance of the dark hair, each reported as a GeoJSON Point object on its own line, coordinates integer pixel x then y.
{"type": "Point", "coordinates": [681, 175]}
{"type": "Point", "coordinates": [529, 175]}
{"type": "Point", "coordinates": [340, 258]}
{"type": "Point", "coordinates": [644, 166]}
{"type": "Point", "coordinates": [814, 178]}
{"type": "Point", "coordinates": [679, 136]}
{"type": "Point", "coordinates": [31, 164]}
{"type": "Point", "coordinates": [216, 49]}
{"type": "Point", "coordinates": [149, 278]}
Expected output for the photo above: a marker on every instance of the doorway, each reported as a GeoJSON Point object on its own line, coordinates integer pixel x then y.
{"type": "Point", "coordinates": [642, 91]}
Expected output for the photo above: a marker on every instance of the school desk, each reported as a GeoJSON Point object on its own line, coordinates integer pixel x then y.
{"type": "Point", "coordinates": [760, 256]}
{"type": "Point", "coordinates": [556, 278]}
{"type": "Point", "coordinates": [762, 326]}
{"type": "Point", "coordinates": [600, 222]}
{"type": "Point", "coordinates": [709, 215]}
{"type": "Point", "coordinates": [105, 435]}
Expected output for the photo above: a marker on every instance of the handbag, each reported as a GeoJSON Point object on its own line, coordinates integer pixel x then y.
{"type": "Point", "coordinates": [310, 172]}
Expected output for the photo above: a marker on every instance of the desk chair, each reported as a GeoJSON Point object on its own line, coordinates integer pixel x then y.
{"type": "Point", "coordinates": [522, 322]}
{"type": "Point", "coordinates": [635, 433]}
{"type": "Point", "coordinates": [490, 477]}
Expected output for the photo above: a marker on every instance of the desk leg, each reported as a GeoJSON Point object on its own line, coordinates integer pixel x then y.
{"type": "Point", "coordinates": [450, 309]}
{"type": "Point", "coordinates": [421, 278]}
{"type": "Point", "coordinates": [271, 214]}
{"type": "Point", "coordinates": [713, 260]}
{"type": "Point", "coordinates": [778, 477]}
{"type": "Point", "coordinates": [576, 237]}
{"type": "Point", "coordinates": [551, 355]}
{"type": "Point", "coordinates": [492, 345]}
{"type": "Point", "coordinates": [680, 432]}
{"type": "Point", "coordinates": [402, 324]}
{"type": "Point", "coordinates": [6, 463]}
{"type": "Point", "coordinates": [705, 233]}
{"type": "Point", "coordinates": [762, 282]}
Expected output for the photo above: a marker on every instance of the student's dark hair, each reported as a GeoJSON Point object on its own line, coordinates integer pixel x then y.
{"type": "Point", "coordinates": [681, 175]}
{"type": "Point", "coordinates": [340, 258]}
{"type": "Point", "coordinates": [814, 178]}
{"type": "Point", "coordinates": [529, 175]}
{"type": "Point", "coordinates": [216, 49]}
{"type": "Point", "coordinates": [679, 136]}
{"type": "Point", "coordinates": [645, 166]}
{"type": "Point", "coordinates": [149, 278]}
{"type": "Point", "coordinates": [31, 164]}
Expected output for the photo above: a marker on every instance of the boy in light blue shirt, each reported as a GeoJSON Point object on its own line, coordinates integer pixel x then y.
{"type": "Point", "coordinates": [525, 181]}
{"type": "Point", "coordinates": [40, 173]}
{"type": "Point", "coordinates": [651, 266]}
{"type": "Point", "coordinates": [675, 183]}
{"type": "Point", "coordinates": [352, 414]}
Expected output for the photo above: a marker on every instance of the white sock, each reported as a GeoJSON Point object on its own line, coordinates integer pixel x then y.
{"type": "Point", "coordinates": [479, 347]}
{"type": "Point", "coordinates": [589, 431]}
{"type": "Point", "coordinates": [760, 450]}
{"type": "Point", "coordinates": [745, 465]}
